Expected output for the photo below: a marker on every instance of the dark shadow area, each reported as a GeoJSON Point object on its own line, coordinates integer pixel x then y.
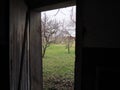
{"type": "Point", "coordinates": [4, 44]}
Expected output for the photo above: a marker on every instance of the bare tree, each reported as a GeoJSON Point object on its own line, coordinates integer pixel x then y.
{"type": "Point", "coordinates": [68, 38]}
{"type": "Point", "coordinates": [49, 29]}
{"type": "Point", "coordinates": [72, 23]}
{"type": "Point", "coordinates": [72, 17]}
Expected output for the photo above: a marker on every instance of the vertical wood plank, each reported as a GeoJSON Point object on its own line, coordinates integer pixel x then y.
{"type": "Point", "coordinates": [17, 24]}
{"type": "Point", "coordinates": [35, 51]}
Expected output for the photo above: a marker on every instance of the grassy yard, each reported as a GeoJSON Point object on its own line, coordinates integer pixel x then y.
{"type": "Point", "coordinates": [58, 68]}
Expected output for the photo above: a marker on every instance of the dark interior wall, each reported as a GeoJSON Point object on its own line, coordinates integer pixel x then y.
{"type": "Point", "coordinates": [101, 22]}
{"type": "Point", "coordinates": [4, 44]}
{"type": "Point", "coordinates": [100, 69]}
{"type": "Point", "coordinates": [100, 54]}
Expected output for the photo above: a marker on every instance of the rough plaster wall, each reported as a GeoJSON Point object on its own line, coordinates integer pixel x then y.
{"type": "Point", "coordinates": [17, 24]}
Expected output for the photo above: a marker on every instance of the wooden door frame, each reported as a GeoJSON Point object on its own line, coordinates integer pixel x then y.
{"type": "Point", "coordinates": [45, 8]}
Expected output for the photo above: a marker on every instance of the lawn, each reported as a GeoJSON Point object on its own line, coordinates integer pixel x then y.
{"type": "Point", "coordinates": [58, 68]}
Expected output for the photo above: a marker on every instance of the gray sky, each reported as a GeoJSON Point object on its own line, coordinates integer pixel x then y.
{"type": "Point", "coordinates": [63, 14]}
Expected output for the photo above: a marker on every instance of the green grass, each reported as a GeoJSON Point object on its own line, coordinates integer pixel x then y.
{"type": "Point", "coordinates": [58, 68]}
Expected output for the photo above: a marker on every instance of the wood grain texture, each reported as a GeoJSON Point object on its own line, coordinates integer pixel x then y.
{"type": "Point", "coordinates": [17, 24]}
{"type": "Point", "coordinates": [35, 51]}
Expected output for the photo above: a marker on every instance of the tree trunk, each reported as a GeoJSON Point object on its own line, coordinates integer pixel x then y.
{"type": "Point", "coordinates": [68, 45]}
{"type": "Point", "coordinates": [44, 51]}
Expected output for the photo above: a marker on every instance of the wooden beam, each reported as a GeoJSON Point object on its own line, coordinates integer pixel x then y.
{"type": "Point", "coordinates": [35, 51]}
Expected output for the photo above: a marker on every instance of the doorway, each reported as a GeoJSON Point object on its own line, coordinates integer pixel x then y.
{"type": "Point", "coordinates": [58, 48]}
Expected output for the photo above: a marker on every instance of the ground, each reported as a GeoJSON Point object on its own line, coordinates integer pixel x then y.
{"type": "Point", "coordinates": [58, 68]}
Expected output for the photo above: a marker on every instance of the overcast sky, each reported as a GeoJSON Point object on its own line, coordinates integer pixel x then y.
{"type": "Point", "coordinates": [63, 14]}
